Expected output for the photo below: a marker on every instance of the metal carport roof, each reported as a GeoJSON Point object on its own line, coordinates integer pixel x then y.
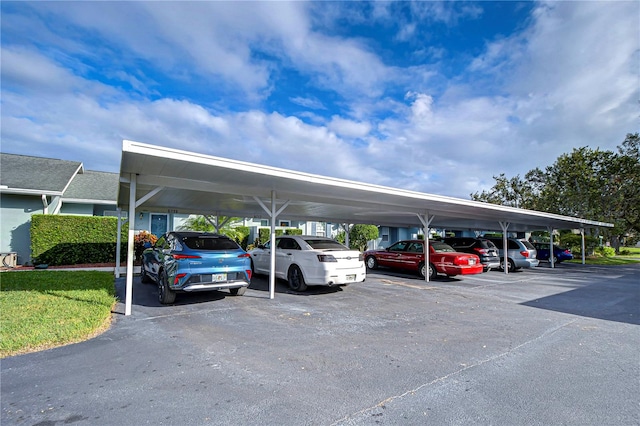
{"type": "Point", "coordinates": [178, 181]}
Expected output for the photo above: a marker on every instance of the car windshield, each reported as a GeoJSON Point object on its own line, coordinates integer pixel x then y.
{"type": "Point", "coordinates": [442, 248]}
{"type": "Point", "coordinates": [210, 243]}
{"type": "Point", "coordinates": [321, 244]}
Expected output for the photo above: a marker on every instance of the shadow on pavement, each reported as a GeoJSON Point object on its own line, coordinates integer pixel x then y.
{"type": "Point", "coordinates": [609, 300]}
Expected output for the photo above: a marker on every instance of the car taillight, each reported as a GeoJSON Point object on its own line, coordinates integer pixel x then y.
{"type": "Point", "coordinates": [326, 258]}
{"type": "Point", "coordinates": [524, 253]}
{"type": "Point", "coordinates": [567, 251]}
{"type": "Point", "coordinates": [480, 250]}
{"type": "Point", "coordinates": [244, 255]}
{"type": "Point", "coordinates": [248, 271]}
{"type": "Point", "coordinates": [461, 260]}
{"type": "Point", "coordinates": [184, 256]}
{"type": "Point", "coordinates": [178, 276]}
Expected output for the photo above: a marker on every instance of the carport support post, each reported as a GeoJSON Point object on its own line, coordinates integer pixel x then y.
{"type": "Point", "coordinates": [582, 244]}
{"type": "Point", "coordinates": [118, 242]}
{"type": "Point", "coordinates": [505, 245]}
{"type": "Point", "coordinates": [426, 222]}
{"type": "Point", "coordinates": [273, 215]}
{"type": "Point", "coordinates": [347, 228]}
{"type": "Point", "coordinates": [130, 248]}
{"type": "Point", "coordinates": [550, 229]}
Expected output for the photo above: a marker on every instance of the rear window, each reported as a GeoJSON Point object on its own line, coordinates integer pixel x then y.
{"type": "Point", "coordinates": [320, 244]}
{"type": "Point", "coordinates": [459, 242]}
{"type": "Point", "coordinates": [497, 242]}
{"type": "Point", "coordinates": [442, 248]}
{"type": "Point", "coordinates": [513, 245]}
{"type": "Point", "coordinates": [528, 245]}
{"type": "Point", "coordinates": [487, 244]}
{"type": "Point", "coordinates": [210, 243]}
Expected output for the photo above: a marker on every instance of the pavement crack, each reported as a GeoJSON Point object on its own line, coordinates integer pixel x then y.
{"type": "Point", "coordinates": [454, 373]}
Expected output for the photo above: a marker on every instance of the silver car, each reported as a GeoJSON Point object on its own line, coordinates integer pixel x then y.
{"type": "Point", "coordinates": [520, 253]}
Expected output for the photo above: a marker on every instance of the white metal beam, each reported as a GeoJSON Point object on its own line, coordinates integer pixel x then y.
{"type": "Point", "coordinates": [130, 245]}
{"type": "Point", "coordinates": [273, 215]}
{"type": "Point", "coordinates": [551, 262]}
{"type": "Point", "coordinates": [426, 222]}
{"type": "Point", "coordinates": [582, 245]}
{"type": "Point", "coordinates": [505, 245]}
{"type": "Point", "coordinates": [151, 193]}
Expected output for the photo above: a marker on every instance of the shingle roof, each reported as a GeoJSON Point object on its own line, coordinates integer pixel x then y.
{"type": "Point", "coordinates": [23, 172]}
{"type": "Point", "coordinates": [92, 185]}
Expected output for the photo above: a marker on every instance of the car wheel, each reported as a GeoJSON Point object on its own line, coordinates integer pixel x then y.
{"type": "Point", "coordinates": [165, 294]}
{"type": "Point", "coordinates": [144, 277]}
{"type": "Point", "coordinates": [422, 270]}
{"type": "Point", "coordinates": [237, 291]}
{"type": "Point", "coordinates": [296, 280]}
{"type": "Point", "coordinates": [372, 263]}
{"type": "Point", "coordinates": [555, 259]}
{"type": "Point", "coordinates": [511, 265]}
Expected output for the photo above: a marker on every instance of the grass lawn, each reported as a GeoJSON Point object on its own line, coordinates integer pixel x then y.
{"type": "Point", "coordinates": [44, 309]}
{"type": "Point", "coordinates": [630, 255]}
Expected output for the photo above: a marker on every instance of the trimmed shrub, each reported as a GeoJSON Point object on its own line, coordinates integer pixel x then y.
{"type": "Point", "coordinates": [70, 240]}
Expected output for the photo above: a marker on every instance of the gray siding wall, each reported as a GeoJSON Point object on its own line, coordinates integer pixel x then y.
{"type": "Point", "coordinates": [15, 224]}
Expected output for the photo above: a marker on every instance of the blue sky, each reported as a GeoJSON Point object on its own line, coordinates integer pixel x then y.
{"type": "Point", "coordinates": [436, 97]}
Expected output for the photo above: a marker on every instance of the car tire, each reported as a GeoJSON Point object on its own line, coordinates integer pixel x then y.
{"type": "Point", "coordinates": [555, 260]}
{"type": "Point", "coordinates": [296, 279]}
{"type": "Point", "coordinates": [422, 271]}
{"type": "Point", "coordinates": [239, 291]}
{"type": "Point", "coordinates": [372, 263]}
{"type": "Point", "coordinates": [165, 294]}
{"type": "Point", "coordinates": [144, 277]}
{"type": "Point", "coordinates": [511, 265]}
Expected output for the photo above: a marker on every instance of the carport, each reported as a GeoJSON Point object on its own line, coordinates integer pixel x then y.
{"type": "Point", "coordinates": [168, 180]}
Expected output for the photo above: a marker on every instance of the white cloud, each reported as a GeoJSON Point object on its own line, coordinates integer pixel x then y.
{"type": "Point", "coordinates": [569, 79]}
{"type": "Point", "coordinates": [349, 128]}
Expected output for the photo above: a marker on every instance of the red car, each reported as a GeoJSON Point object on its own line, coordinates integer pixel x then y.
{"type": "Point", "coordinates": [409, 255]}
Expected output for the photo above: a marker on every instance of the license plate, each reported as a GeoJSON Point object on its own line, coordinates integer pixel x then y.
{"type": "Point", "coordinates": [216, 278]}
{"type": "Point", "coordinates": [351, 277]}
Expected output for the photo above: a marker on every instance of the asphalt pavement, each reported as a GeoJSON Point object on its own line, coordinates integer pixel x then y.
{"type": "Point", "coordinates": [535, 347]}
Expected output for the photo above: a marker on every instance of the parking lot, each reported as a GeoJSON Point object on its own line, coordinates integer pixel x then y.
{"type": "Point", "coordinates": [542, 346]}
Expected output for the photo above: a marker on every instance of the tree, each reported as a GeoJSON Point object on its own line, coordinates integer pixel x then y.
{"type": "Point", "coordinates": [206, 223]}
{"type": "Point", "coordinates": [360, 234]}
{"type": "Point", "coordinates": [514, 192]}
{"type": "Point", "coordinates": [594, 184]}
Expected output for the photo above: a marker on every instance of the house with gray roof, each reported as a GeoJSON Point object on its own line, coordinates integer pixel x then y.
{"type": "Point", "coordinates": [30, 185]}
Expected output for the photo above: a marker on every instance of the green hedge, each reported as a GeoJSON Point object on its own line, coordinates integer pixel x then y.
{"type": "Point", "coordinates": [264, 234]}
{"type": "Point", "coordinates": [70, 240]}
{"type": "Point", "coordinates": [293, 231]}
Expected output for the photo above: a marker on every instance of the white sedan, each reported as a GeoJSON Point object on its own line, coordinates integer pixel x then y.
{"type": "Point", "coordinates": [305, 260]}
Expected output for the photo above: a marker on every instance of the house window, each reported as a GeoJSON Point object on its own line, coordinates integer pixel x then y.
{"type": "Point", "coordinates": [284, 223]}
{"type": "Point", "coordinates": [264, 222]}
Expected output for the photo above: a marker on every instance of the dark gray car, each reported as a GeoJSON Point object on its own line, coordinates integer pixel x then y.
{"type": "Point", "coordinates": [484, 248]}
